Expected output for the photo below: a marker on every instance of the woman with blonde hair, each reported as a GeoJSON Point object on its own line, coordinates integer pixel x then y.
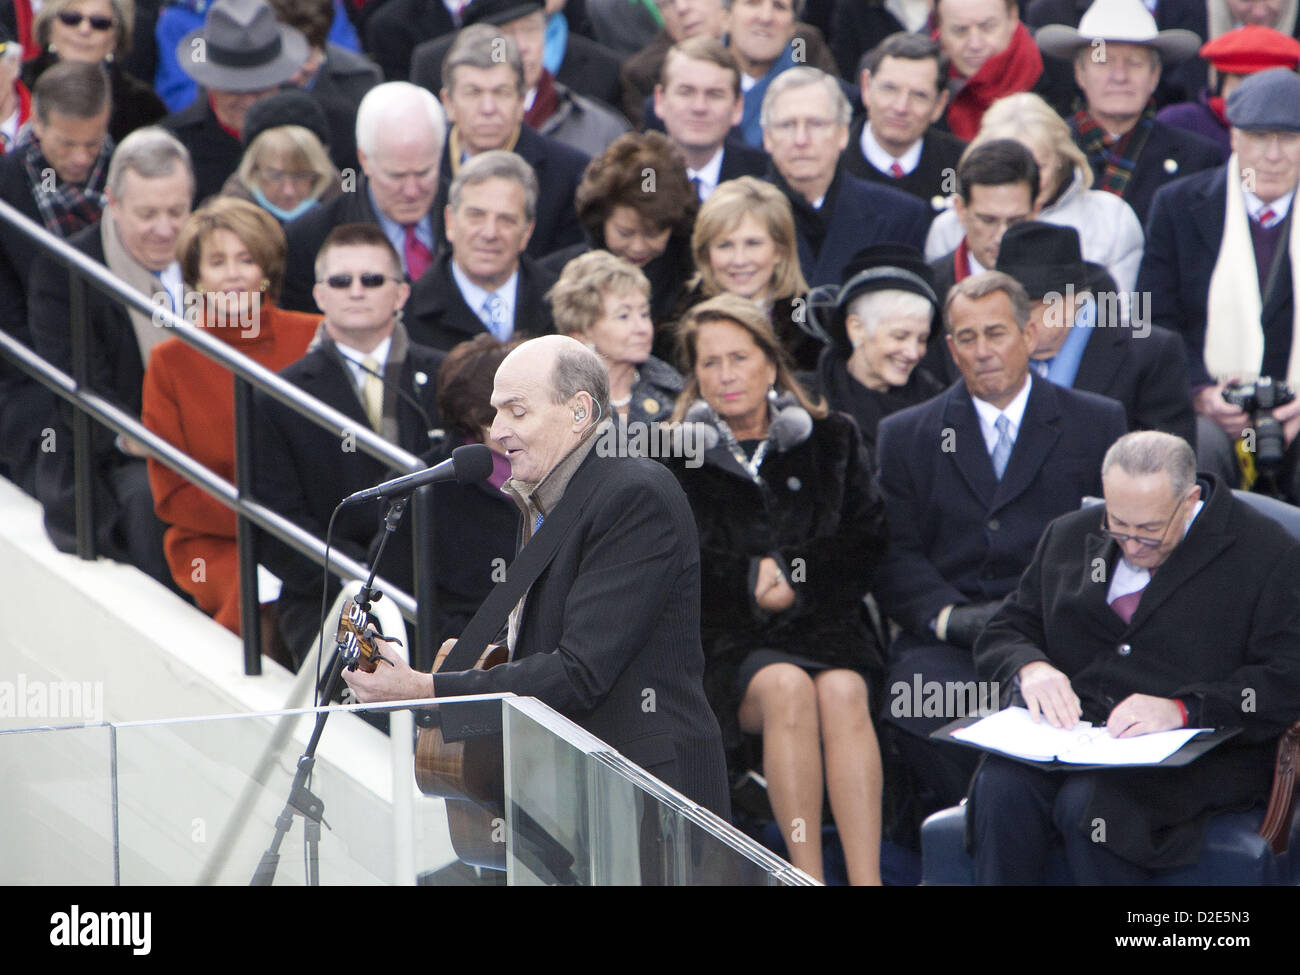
{"type": "Point", "coordinates": [96, 32]}
{"type": "Point", "coordinates": [285, 169]}
{"type": "Point", "coordinates": [744, 244]}
{"type": "Point", "coordinates": [791, 532]}
{"type": "Point", "coordinates": [1109, 230]}
{"type": "Point", "coordinates": [604, 301]}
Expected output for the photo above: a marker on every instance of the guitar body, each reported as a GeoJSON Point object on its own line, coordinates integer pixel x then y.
{"type": "Point", "coordinates": [467, 772]}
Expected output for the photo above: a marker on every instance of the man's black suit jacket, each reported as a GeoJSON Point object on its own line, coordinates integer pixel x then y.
{"type": "Point", "coordinates": [559, 170]}
{"type": "Point", "coordinates": [588, 68]}
{"type": "Point", "coordinates": [740, 160]}
{"type": "Point", "coordinates": [1184, 234]}
{"type": "Point", "coordinates": [437, 315]}
{"type": "Point", "coordinates": [302, 470]}
{"type": "Point", "coordinates": [957, 533]}
{"type": "Point", "coordinates": [214, 152]}
{"type": "Point", "coordinates": [633, 552]}
{"type": "Point", "coordinates": [1218, 626]}
{"type": "Point", "coordinates": [116, 371]}
{"type": "Point", "coordinates": [934, 175]}
{"type": "Point", "coordinates": [863, 214]}
{"type": "Point", "coordinates": [1169, 154]}
{"type": "Point", "coordinates": [393, 31]}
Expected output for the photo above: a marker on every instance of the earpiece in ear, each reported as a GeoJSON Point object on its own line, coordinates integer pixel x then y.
{"type": "Point", "coordinates": [580, 414]}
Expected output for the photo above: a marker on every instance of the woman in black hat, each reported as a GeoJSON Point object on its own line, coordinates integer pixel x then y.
{"type": "Point", "coordinates": [879, 328]}
{"type": "Point", "coordinates": [285, 168]}
{"type": "Point", "coordinates": [96, 31]}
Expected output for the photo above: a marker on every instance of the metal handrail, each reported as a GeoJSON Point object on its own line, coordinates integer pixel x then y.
{"type": "Point", "coordinates": [247, 375]}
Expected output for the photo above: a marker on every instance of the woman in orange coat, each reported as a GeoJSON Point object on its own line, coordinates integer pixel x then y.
{"type": "Point", "coordinates": [232, 254]}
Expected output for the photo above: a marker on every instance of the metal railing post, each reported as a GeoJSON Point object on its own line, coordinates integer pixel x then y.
{"type": "Point", "coordinates": [250, 617]}
{"type": "Point", "coordinates": [422, 579]}
{"type": "Point", "coordinates": [82, 459]}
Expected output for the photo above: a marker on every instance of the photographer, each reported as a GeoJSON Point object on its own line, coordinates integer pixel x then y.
{"type": "Point", "coordinates": [1221, 246]}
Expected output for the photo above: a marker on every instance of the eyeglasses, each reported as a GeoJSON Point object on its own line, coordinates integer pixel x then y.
{"type": "Point", "coordinates": [301, 177]}
{"type": "Point", "coordinates": [73, 19]}
{"type": "Point", "coordinates": [368, 280]}
{"type": "Point", "coordinates": [1145, 542]}
{"type": "Point", "coordinates": [787, 128]}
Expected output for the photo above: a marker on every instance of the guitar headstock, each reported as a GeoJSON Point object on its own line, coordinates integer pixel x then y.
{"type": "Point", "coordinates": [355, 637]}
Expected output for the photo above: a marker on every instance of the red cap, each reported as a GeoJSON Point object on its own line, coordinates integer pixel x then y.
{"type": "Point", "coordinates": [1252, 48]}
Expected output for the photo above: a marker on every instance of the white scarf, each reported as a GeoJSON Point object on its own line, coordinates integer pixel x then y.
{"type": "Point", "coordinates": [1234, 337]}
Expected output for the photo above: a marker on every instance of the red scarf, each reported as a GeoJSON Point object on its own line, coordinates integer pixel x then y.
{"type": "Point", "coordinates": [233, 133]}
{"type": "Point", "coordinates": [1018, 68]}
{"type": "Point", "coordinates": [545, 102]}
{"type": "Point", "coordinates": [23, 21]}
{"type": "Point", "coordinates": [24, 108]}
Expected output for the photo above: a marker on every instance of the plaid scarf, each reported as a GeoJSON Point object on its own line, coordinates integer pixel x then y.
{"type": "Point", "coordinates": [65, 208]}
{"type": "Point", "coordinates": [1114, 164]}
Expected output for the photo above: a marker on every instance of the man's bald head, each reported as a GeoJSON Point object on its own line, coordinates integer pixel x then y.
{"type": "Point", "coordinates": [547, 394]}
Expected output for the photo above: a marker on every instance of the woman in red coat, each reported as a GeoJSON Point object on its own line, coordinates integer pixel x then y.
{"type": "Point", "coordinates": [232, 254]}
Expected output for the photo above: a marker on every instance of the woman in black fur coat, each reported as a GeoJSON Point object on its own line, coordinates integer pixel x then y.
{"type": "Point", "coordinates": [791, 531]}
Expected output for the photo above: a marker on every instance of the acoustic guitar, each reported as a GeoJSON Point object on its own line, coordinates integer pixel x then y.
{"type": "Point", "coordinates": [466, 773]}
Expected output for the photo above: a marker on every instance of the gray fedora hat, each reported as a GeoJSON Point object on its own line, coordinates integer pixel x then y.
{"type": "Point", "coordinates": [241, 48]}
{"type": "Point", "coordinates": [1117, 22]}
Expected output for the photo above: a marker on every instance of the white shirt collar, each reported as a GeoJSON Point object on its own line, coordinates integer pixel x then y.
{"type": "Point", "coordinates": [1255, 206]}
{"type": "Point", "coordinates": [354, 358]}
{"type": "Point", "coordinates": [1126, 578]}
{"type": "Point", "coordinates": [475, 297]}
{"type": "Point", "coordinates": [529, 98]}
{"type": "Point", "coordinates": [881, 158]}
{"type": "Point", "coordinates": [174, 281]}
{"type": "Point", "coordinates": [707, 175]}
{"type": "Point", "coordinates": [975, 266]}
{"type": "Point", "coordinates": [1015, 412]}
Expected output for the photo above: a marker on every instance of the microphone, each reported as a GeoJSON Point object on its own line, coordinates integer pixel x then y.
{"type": "Point", "coordinates": [468, 463]}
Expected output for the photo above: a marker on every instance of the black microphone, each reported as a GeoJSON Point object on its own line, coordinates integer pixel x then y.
{"type": "Point", "coordinates": [468, 463]}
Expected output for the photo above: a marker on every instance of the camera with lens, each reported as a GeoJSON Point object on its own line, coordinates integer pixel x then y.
{"type": "Point", "coordinates": [1259, 399]}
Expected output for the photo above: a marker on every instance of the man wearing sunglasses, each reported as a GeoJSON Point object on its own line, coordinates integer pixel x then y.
{"type": "Point", "coordinates": [1173, 605]}
{"type": "Point", "coordinates": [363, 364]}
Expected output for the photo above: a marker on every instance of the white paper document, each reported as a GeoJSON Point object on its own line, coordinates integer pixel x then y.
{"type": "Point", "coordinates": [1013, 732]}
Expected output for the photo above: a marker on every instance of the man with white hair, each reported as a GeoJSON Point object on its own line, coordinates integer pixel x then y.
{"type": "Point", "coordinates": [805, 129]}
{"type": "Point", "coordinates": [400, 135]}
{"type": "Point", "coordinates": [1094, 631]}
{"type": "Point", "coordinates": [599, 534]}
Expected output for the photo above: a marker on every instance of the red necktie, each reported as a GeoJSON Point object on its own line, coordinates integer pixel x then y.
{"type": "Point", "coordinates": [417, 256]}
{"type": "Point", "coordinates": [896, 170]}
{"type": "Point", "coordinates": [1266, 218]}
{"type": "Point", "coordinates": [1125, 606]}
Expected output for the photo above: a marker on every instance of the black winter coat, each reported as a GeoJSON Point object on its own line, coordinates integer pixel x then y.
{"type": "Point", "coordinates": [816, 511]}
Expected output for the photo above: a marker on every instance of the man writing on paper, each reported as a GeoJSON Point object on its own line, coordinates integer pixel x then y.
{"type": "Point", "coordinates": [1174, 605]}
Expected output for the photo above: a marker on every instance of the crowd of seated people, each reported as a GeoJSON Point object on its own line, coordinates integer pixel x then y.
{"type": "Point", "coordinates": [914, 276]}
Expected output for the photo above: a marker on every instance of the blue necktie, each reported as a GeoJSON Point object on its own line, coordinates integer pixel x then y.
{"type": "Point", "coordinates": [494, 316]}
{"type": "Point", "coordinates": [1002, 449]}
{"type": "Point", "coordinates": [537, 525]}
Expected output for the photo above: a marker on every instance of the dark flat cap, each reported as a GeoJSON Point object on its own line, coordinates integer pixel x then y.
{"type": "Point", "coordinates": [1268, 101]}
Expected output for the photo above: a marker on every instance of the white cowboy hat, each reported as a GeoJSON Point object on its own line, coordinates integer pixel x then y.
{"type": "Point", "coordinates": [1118, 22]}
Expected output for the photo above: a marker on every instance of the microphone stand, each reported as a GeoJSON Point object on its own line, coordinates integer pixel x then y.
{"type": "Point", "coordinates": [302, 801]}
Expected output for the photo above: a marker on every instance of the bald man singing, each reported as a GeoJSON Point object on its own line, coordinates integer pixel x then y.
{"type": "Point", "coordinates": [608, 633]}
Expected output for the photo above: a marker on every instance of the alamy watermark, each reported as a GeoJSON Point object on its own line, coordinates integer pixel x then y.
{"type": "Point", "coordinates": [654, 440]}
{"type": "Point", "coordinates": [45, 699]}
{"type": "Point", "coordinates": [944, 699]}
{"type": "Point", "coordinates": [1113, 308]}
{"type": "Point", "coordinates": [214, 309]}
